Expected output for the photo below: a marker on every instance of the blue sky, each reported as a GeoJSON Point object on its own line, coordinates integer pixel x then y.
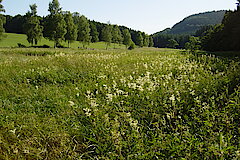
{"type": "Point", "coordinates": [149, 16]}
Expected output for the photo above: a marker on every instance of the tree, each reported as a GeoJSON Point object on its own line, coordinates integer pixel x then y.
{"type": "Point", "coordinates": [172, 43]}
{"type": "Point", "coordinates": [83, 31]}
{"type": "Point", "coordinates": [94, 33]}
{"type": "Point", "coordinates": [193, 45]}
{"type": "Point", "coordinates": [2, 21]}
{"type": "Point", "coordinates": [54, 7]}
{"type": "Point", "coordinates": [107, 35]}
{"type": "Point", "coordinates": [71, 28]}
{"type": "Point", "coordinates": [33, 28]}
{"type": "Point", "coordinates": [146, 40]}
{"type": "Point", "coordinates": [126, 38]}
{"type": "Point", "coordinates": [55, 25]}
{"type": "Point", "coordinates": [139, 39]}
{"type": "Point", "coordinates": [1, 7]}
{"type": "Point", "coordinates": [116, 35]}
{"type": "Point", "coordinates": [151, 43]}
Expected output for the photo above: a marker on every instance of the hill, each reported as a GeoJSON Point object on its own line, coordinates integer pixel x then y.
{"type": "Point", "coordinates": [191, 24]}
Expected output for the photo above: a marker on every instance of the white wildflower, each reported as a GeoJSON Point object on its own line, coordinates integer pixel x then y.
{"type": "Point", "coordinates": [109, 97]}
{"type": "Point", "coordinates": [172, 98]}
{"type": "Point", "coordinates": [71, 103]}
{"type": "Point", "coordinates": [87, 111]}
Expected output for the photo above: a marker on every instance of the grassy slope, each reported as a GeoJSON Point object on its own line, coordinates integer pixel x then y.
{"type": "Point", "coordinates": [117, 104]}
{"type": "Point", "coordinates": [13, 39]}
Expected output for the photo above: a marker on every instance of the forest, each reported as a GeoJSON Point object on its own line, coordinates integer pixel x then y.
{"type": "Point", "coordinates": [61, 26]}
{"type": "Point", "coordinates": [222, 34]}
{"type": "Point", "coordinates": [210, 27]}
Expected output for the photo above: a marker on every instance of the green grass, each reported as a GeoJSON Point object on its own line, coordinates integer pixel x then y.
{"type": "Point", "coordinates": [118, 104]}
{"type": "Point", "coordinates": [12, 40]}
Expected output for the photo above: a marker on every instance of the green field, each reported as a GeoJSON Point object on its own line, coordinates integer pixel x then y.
{"type": "Point", "coordinates": [118, 104]}
{"type": "Point", "coordinates": [12, 40]}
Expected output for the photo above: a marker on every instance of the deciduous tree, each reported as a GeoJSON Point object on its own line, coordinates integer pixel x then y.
{"type": "Point", "coordinates": [139, 39]}
{"type": "Point", "coordinates": [55, 25]}
{"type": "Point", "coordinates": [2, 20]}
{"type": "Point", "coordinates": [94, 33]}
{"type": "Point", "coordinates": [151, 43]}
{"type": "Point", "coordinates": [32, 27]}
{"type": "Point", "coordinates": [83, 31]}
{"type": "Point", "coordinates": [107, 35]}
{"type": "Point", "coordinates": [126, 38]}
{"type": "Point", "coordinates": [116, 35]}
{"type": "Point", "coordinates": [71, 28]}
{"type": "Point", "coordinates": [172, 43]}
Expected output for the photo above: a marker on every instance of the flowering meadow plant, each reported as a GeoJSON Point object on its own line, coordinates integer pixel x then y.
{"type": "Point", "coordinates": [117, 104]}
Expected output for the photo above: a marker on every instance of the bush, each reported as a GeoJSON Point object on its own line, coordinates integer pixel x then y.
{"type": "Point", "coordinates": [132, 46]}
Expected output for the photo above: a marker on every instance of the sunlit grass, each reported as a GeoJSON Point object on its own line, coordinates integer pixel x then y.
{"type": "Point", "coordinates": [117, 104]}
{"type": "Point", "coordinates": [12, 40]}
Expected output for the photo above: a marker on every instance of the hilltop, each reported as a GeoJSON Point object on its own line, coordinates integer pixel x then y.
{"type": "Point", "coordinates": [192, 23]}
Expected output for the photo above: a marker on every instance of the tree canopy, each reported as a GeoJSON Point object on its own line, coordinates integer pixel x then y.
{"type": "Point", "coordinates": [32, 26]}
{"type": "Point", "coordinates": [83, 31]}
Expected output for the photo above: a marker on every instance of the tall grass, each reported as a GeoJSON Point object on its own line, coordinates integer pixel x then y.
{"type": "Point", "coordinates": [118, 104]}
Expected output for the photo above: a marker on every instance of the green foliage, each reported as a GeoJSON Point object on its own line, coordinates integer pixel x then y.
{"type": "Point", "coordinates": [54, 7]}
{"type": "Point", "coordinates": [172, 43]}
{"type": "Point", "coordinates": [32, 26]}
{"type": "Point", "coordinates": [1, 7]}
{"type": "Point", "coordinates": [55, 28]}
{"type": "Point", "coordinates": [55, 25]}
{"type": "Point", "coordinates": [191, 24]}
{"type": "Point", "coordinates": [126, 38]}
{"type": "Point", "coordinates": [139, 40]}
{"type": "Point", "coordinates": [224, 37]}
{"type": "Point", "coordinates": [33, 30]}
{"type": "Point", "coordinates": [71, 28]}
{"type": "Point", "coordinates": [146, 40]}
{"type": "Point", "coordinates": [94, 33]}
{"type": "Point", "coordinates": [151, 43]}
{"type": "Point", "coordinates": [33, 9]}
{"type": "Point", "coordinates": [2, 21]}
{"type": "Point", "coordinates": [132, 46]}
{"type": "Point", "coordinates": [193, 45]}
{"type": "Point", "coordinates": [95, 104]}
{"type": "Point", "coordinates": [83, 31]}
{"type": "Point", "coordinates": [107, 35]}
{"type": "Point", "coordinates": [162, 40]}
{"type": "Point", "coordinates": [116, 35]}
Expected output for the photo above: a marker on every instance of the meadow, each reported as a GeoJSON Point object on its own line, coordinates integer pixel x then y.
{"type": "Point", "coordinates": [117, 104]}
{"type": "Point", "coordinates": [12, 40]}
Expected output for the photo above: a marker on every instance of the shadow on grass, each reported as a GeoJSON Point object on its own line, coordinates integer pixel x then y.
{"type": "Point", "coordinates": [223, 54]}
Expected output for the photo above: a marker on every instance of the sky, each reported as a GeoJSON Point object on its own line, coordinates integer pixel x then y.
{"type": "Point", "coordinates": [149, 16]}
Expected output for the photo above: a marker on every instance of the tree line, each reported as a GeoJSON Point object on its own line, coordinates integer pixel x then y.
{"type": "Point", "coordinates": [61, 25]}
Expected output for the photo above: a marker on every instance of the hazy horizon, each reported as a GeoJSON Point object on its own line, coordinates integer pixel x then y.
{"type": "Point", "coordinates": [151, 16]}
